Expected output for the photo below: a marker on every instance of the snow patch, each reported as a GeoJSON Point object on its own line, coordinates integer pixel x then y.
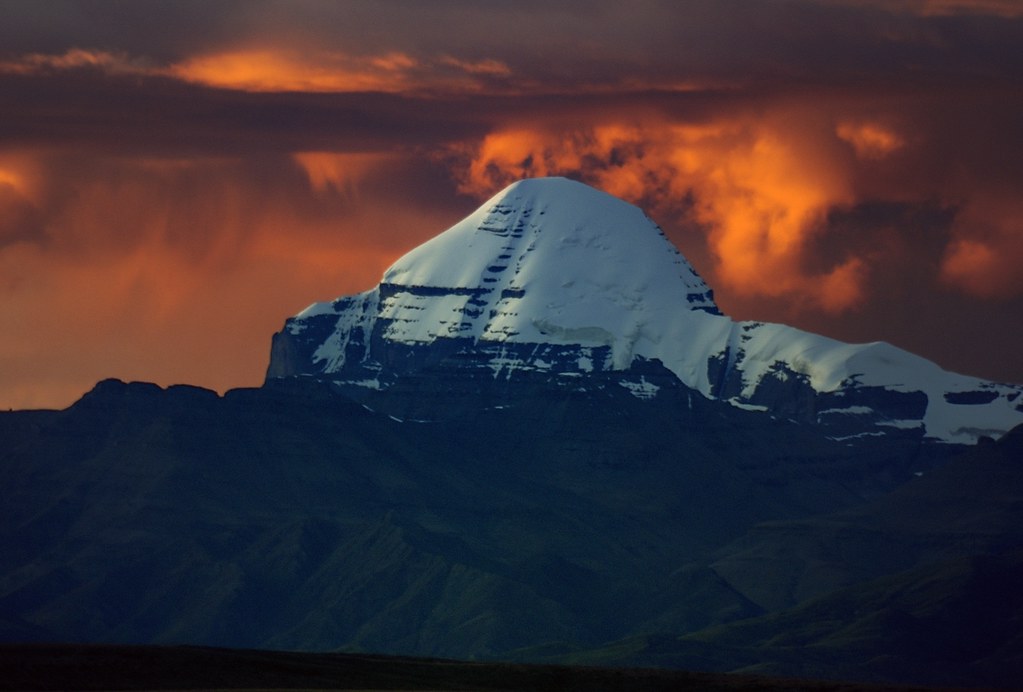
{"type": "Point", "coordinates": [857, 435]}
{"type": "Point", "coordinates": [901, 424]}
{"type": "Point", "coordinates": [746, 407]}
{"type": "Point", "coordinates": [642, 389]}
{"type": "Point", "coordinates": [847, 411]}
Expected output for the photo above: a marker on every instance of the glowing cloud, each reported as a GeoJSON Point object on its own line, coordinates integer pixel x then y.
{"type": "Point", "coordinates": [340, 172]}
{"type": "Point", "coordinates": [190, 263]}
{"type": "Point", "coordinates": [478, 67]}
{"type": "Point", "coordinates": [987, 253]}
{"type": "Point", "coordinates": [72, 59]}
{"type": "Point", "coordinates": [970, 263]}
{"type": "Point", "coordinates": [870, 140]}
{"type": "Point", "coordinates": [14, 180]}
{"type": "Point", "coordinates": [268, 70]}
{"type": "Point", "coordinates": [761, 191]}
{"type": "Point", "coordinates": [262, 69]}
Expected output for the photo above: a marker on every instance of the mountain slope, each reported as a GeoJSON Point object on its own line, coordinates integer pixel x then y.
{"type": "Point", "coordinates": [921, 584]}
{"type": "Point", "coordinates": [293, 517]}
{"type": "Point", "coordinates": [952, 623]}
{"type": "Point", "coordinates": [551, 276]}
{"type": "Point", "coordinates": [972, 505]}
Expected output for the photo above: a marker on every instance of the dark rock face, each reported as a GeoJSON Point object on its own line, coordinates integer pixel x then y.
{"type": "Point", "coordinates": [970, 398]}
{"type": "Point", "coordinates": [372, 361]}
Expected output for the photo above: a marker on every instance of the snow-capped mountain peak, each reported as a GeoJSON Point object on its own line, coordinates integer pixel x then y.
{"type": "Point", "coordinates": [552, 276]}
{"type": "Point", "coordinates": [544, 261]}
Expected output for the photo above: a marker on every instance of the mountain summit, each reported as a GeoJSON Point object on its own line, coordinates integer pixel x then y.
{"type": "Point", "coordinates": [555, 279]}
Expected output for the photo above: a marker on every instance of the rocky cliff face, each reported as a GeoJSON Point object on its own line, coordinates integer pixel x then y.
{"type": "Point", "coordinates": [553, 278]}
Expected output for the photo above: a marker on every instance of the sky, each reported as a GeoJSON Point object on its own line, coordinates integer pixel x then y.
{"type": "Point", "coordinates": [177, 178]}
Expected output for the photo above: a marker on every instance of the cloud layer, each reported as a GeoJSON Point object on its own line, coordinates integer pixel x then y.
{"type": "Point", "coordinates": [177, 178]}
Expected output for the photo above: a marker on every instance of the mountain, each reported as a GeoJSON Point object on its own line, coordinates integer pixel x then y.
{"type": "Point", "coordinates": [535, 456]}
{"type": "Point", "coordinates": [553, 277]}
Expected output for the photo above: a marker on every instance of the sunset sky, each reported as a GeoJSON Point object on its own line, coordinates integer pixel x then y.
{"type": "Point", "coordinates": [177, 178]}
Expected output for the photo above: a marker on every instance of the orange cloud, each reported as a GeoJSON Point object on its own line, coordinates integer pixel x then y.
{"type": "Point", "coordinates": [260, 69]}
{"type": "Point", "coordinates": [180, 270]}
{"type": "Point", "coordinates": [340, 172]}
{"type": "Point", "coordinates": [20, 193]}
{"type": "Point", "coordinates": [986, 256]}
{"type": "Point", "coordinates": [74, 58]}
{"type": "Point", "coordinates": [761, 188]}
{"type": "Point", "coordinates": [870, 140]}
{"type": "Point", "coordinates": [17, 176]}
{"type": "Point", "coordinates": [273, 70]}
{"type": "Point", "coordinates": [764, 194]}
{"type": "Point", "coordinates": [842, 287]}
{"type": "Point", "coordinates": [480, 67]}
{"type": "Point", "coordinates": [970, 263]}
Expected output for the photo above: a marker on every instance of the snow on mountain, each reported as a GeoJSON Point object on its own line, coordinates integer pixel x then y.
{"type": "Point", "coordinates": [553, 276]}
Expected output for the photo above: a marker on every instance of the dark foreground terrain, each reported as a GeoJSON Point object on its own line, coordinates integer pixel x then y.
{"type": "Point", "coordinates": [535, 524]}
{"type": "Point", "coordinates": [98, 667]}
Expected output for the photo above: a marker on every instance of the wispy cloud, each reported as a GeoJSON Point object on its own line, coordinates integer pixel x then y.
{"type": "Point", "coordinates": [260, 69]}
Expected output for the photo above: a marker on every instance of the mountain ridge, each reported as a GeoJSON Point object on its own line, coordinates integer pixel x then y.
{"type": "Point", "coordinates": [549, 525]}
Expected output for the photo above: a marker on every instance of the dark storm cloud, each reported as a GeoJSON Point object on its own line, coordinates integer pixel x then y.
{"type": "Point", "coordinates": [566, 43]}
{"type": "Point", "coordinates": [162, 29]}
{"type": "Point", "coordinates": [140, 113]}
{"type": "Point", "coordinates": [157, 115]}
